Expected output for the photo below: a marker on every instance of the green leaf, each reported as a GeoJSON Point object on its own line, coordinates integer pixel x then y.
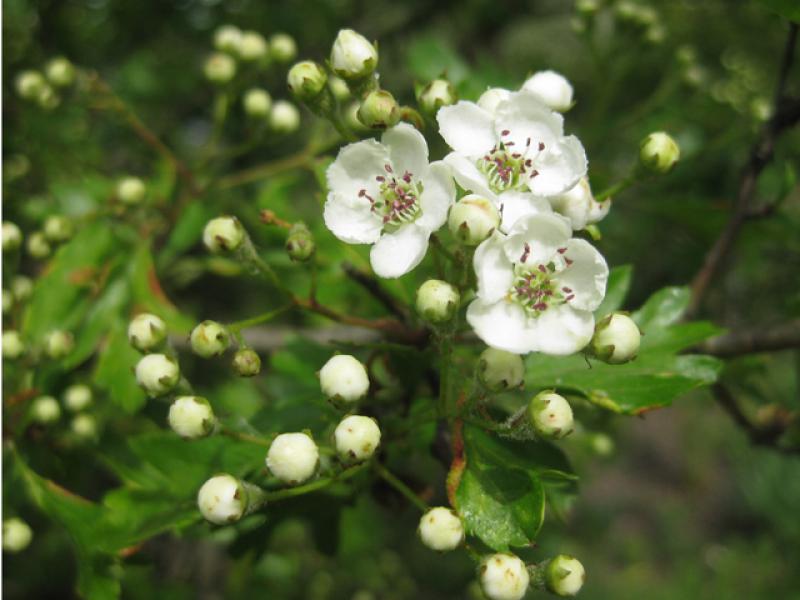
{"type": "Point", "coordinates": [114, 371]}
{"type": "Point", "coordinates": [619, 283]}
{"type": "Point", "coordinates": [663, 308]}
{"type": "Point", "coordinates": [148, 294]}
{"type": "Point", "coordinates": [430, 57]}
{"type": "Point", "coordinates": [789, 9]}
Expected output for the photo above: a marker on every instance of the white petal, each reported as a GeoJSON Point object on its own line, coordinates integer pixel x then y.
{"type": "Point", "coordinates": [598, 210]}
{"type": "Point", "coordinates": [537, 238]}
{"type": "Point", "coordinates": [356, 167]}
{"type": "Point", "coordinates": [559, 167]}
{"type": "Point", "coordinates": [586, 276]}
{"type": "Point", "coordinates": [467, 128]}
{"type": "Point", "coordinates": [561, 330]}
{"type": "Point", "coordinates": [517, 205]}
{"type": "Point", "coordinates": [438, 195]}
{"type": "Point", "coordinates": [502, 325]}
{"type": "Point", "coordinates": [525, 118]}
{"type": "Point", "coordinates": [351, 220]}
{"type": "Point", "coordinates": [395, 254]}
{"type": "Point", "coordinates": [575, 204]}
{"type": "Point", "coordinates": [551, 88]}
{"type": "Point", "coordinates": [491, 98]}
{"type": "Point", "coordinates": [407, 149]}
{"type": "Point", "coordinates": [493, 270]}
{"type": "Point", "coordinates": [468, 176]}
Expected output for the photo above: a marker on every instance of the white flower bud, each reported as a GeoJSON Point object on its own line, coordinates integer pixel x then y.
{"type": "Point", "coordinates": [473, 219]}
{"type": "Point", "coordinates": [306, 80]}
{"type": "Point", "coordinates": [282, 47]}
{"type": "Point", "coordinates": [284, 117]}
{"type": "Point", "coordinates": [437, 301]}
{"type": "Point", "coordinates": [30, 84]}
{"type": "Point", "coordinates": [37, 245]}
{"type": "Point", "coordinates": [157, 374]}
{"type": "Point", "coordinates": [146, 332]}
{"type": "Point", "coordinates": [253, 47]}
{"type": "Point", "coordinates": [300, 244]}
{"type": "Point", "coordinates": [491, 99]}
{"type": "Point", "coordinates": [353, 56]}
{"type": "Point", "coordinates": [579, 206]}
{"type": "Point", "coordinates": [60, 72]}
{"type": "Point", "coordinates": [58, 344]}
{"type": "Point", "coordinates": [8, 301]}
{"type": "Point", "coordinates": [616, 339]}
{"type": "Point", "coordinates": [339, 88]}
{"type": "Point", "coordinates": [293, 457]}
{"type": "Point", "coordinates": [13, 346]}
{"type": "Point", "coordinates": [552, 90]}
{"type": "Point", "coordinates": [47, 98]}
{"type": "Point", "coordinates": [77, 397]}
{"type": "Point", "coordinates": [246, 363]}
{"type": "Point", "coordinates": [564, 575]}
{"type": "Point", "coordinates": [228, 38]}
{"type": "Point", "coordinates": [344, 378]}
{"type": "Point", "coordinates": [57, 228]}
{"type": "Point", "coordinates": [84, 426]}
{"type": "Point", "coordinates": [17, 535]}
{"type": "Point", "coordinates": [222, 499]}
{"type": "Point", "coordinates": [379, 110]}
{"type": "Point", "coordinates": [131, 190]}
{"type": "Point", "coordinates": [209, 338]}
{"type": "Point", "coordinates": [45, 410]}
{"type": "Point", "coordinates": [441, 529]}
{"type": "Point", "coordinates": [436, 94]}
{"type": "Point", "coordinates": [191, 417]}
{"type": "Point", "coordinates": [499, 370]}
{"type": "Point", "coordinates": [257, 103]}
{"type": "Point", "coordinates": [551, 415]}
{"type": "Point", "coordinates": [504, 577]}
{"type": "Point", "coordinates": [357, 437]}
{"type": "Point", "coordinates": [219, 68]}
{"type": "Point", "coordinates": [21, 287]}
{"type": "Point", "coordinates": [659, 152]}
{"type": "Point", "coordinates": [223, 234]}
{"type": "Point", "coordinates": [12, 236]}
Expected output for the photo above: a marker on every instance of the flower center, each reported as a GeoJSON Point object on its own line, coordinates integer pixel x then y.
{"type": "Point", "coordinates": [505, 167]}
{"type": "Point", "coordinates": [398, 199]}
{"type": "Point", "coordinates": [535, 287]}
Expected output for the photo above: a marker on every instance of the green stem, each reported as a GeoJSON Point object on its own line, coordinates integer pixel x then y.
{"type": "Point", "coordinates": [401, 487]}
{"type": "Point", "coordinates": [237, 326]}
{"type": "Point", "coordinates": [314, 486]}
{"type": "Point", "coordinates": [244, 437]}
{"type": "Point", "coordinates": [445, 352]}
{"type": "Point", "coordinates": [619, 186]}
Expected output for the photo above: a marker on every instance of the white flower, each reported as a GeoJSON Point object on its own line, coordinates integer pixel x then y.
{"type": "Point", "coordinates": [551, 88]}
{"type": "Point", "coordinates": [579, 206]}
{"type": "Point", "coordinates": [537, 288]}
{"type": "Point", "coordinates": [388, 195]}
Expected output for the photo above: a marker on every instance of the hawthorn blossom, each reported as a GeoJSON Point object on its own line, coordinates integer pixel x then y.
{"type": "Point", "coordinates": [579, 206]}
{"type": "Point", "coordinates": [385, 193]}
{"type": "Point", "coordinates": [537, 288]}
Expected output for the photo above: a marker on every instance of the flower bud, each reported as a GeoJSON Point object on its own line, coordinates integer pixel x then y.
{"type": "Point", "coordinates": [659, 152]}
{"type": "Point", "coordinates": [84, 426]}
{"type": "Point", "coordinates": [223, 234]}
{"type": "Point", "coordinates": [441, 529]}
{"type": "Point", "coordinates": [21, 287]}
{"type": "Point", "coordinates": [616, 339]}
{"type": "Point", "coordinates": [12, 236]}
{"type": "Point", "coordinates": [246, 363]}
{"type": "Point", "coordinates": [17, 535]}
{"type": "Point", "coordinates": [306, 80]}
{"type": "Point", "coordinates": [491, 99]}
{"type": "Point", "coordinates": [146, 332]}
{"type": "Point", "coordinates": [357, 438]}
{"type": "Point", "coordinates": [300, 243]}
{"type": "Point", "coordinates": [58, 228]}
{"type": "Point", "coordinates": [350, 115]}
{"type": "Point", "coordinates": [579, 206]}
{"type": "Point", "coordinates": [228, 38]}
{"type": "Point", "coordinates": [379, 110]}
{"type": "Point", "coordinates": [45, 410]}
{"type": "Point", "coordinates": [282, 47]}
{"type": "Point", "coordinates": [292, 457]}
{"type": "Point", "coordinates": [209, 338]}
{"type": "Point", "coordinates": [223, 499]}
{"type": "Point", "coordinates": [284, 117]}
{"type": "Point", "coordinates": [47, 98]}
{"type": "Point", "coordinates": [437, 301]}
{"type": "Point", "coordinates": [564, 575]}
{"type": "Point", "coordinates": [339, 88]}
{"type": "Point", "coordinates": [191, 417]}
{"type": "Point", "coordinates": [58, 344]}
{"type": "Point", "coordinates": [550, 415]}
{"type": "Point", "coordinates": [131, 190]}
{"type": "Point", "coordinates": [157, 374]}
{"type": "Point", "coordinates": [219, 68]}
{"type": "Point", "coordinates": [344, 378]}
{"type": "Point", "coordinates": [8, 301]}
{"type": "Point", "coordinates": [30, 84]}
{"type": "Point", "coordinates": [353, 56]}
{"type": "Point", "coordinates": [551, 89]}
{"type": "Point", "coordinates": [435, 95]}
{"type": "Point", "coordinates": [13, 346]}
{"type": "Point", "coordinates": [37, 245]}
{"type": "Point", "coordinates": [473, 219]}
{"type": "Point", "coordinates": [504, 577]}
{"type": "Point", "coordinates": [499, 370]}
{"type": "Point", "coordinates": [60, 72]}
{"type": "Point", "coordinates": [253, 47]}
{"type": "Point", "coordinates": [77, 397]}
{"type": "Point", "coordinates": [257, 103]}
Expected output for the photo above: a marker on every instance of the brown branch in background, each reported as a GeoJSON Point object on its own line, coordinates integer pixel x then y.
{"type": "Point", "coordinates": [785, 336]}
{"type": "Point", "coordinates": [373, 286]}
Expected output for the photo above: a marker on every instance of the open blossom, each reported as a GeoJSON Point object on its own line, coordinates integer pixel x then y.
{"type": "Point", "coordinates": [388, 195]}
{"type": "Point", "coordinates": [537, 288]}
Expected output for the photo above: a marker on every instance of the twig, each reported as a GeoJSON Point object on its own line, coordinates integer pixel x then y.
{"type": "Point", "coordinates": [373, 286]}
{"type": "Point", "coordinates": [785, 336]}
{"type": "Point", "coordinates": [401, 487]}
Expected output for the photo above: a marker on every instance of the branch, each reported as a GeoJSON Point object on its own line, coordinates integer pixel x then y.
{"type": "Point", "coordinates": [785, 336]}
{"type": "Point", "coordinates": [373, 286]}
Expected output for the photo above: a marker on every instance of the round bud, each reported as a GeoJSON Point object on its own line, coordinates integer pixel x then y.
{"type": "Point", "coordinates": [8, 301]}
{"type": "Point", "coordinates": [293, 457]}
{"type": "Point", "coordinates": [473, 219]}
{"type": "Point", "coordinates": [379, 110]}
{"type": "Point", "coordinates": [306, 80]}
{"type": "Point", "coordinates": [84, 426]}
{"type": "Point", "coordinates": [209, 338]}
{"type": "Point", "coordinates": [12, 236]}
{"type": "Point", "coordinates": [37, 245]}
{"type": "Point", "coordinates": [284, 117]}
{"type": "Point", "coordinates": [504, 577]}
{"type": "Point", "coordinates": [58, 344]}
{"type": "Point", "coordinates": [253, 47]}
{"type": "Point", "coordinates": [228, 38]}
{"type": "Point", "coordinates": [45, 410]}
{"type": "Point", "coordinates": [146, 332]}
{"type": "Point", "coordinates": [222, 499]}
{"type": "Point", "coordinates": [223, 234]}
{"type": "Point", "coordinates": [499, 370]}
{"type": "Point", "coordinates": [616, 339]}
{"type": "Point", "coordinates": [246, 363]}
{"type": "Point", "coordinates": [339, 88]}
{"type": "Point", "coordinates": [60, 72]}
{"type": "Point", "coordinates": [58, 228]}
{"type": "Point", "coordinates": [437, 301]}
{"type": "Point", "coordinates": [579, 206]}
{"type": "Point", "coordinates": [441, 529]}
{"type": "Point", "coordinates": [350, 114]}
{"type": "Point", "coordinates": [282, 47]}
{"type": "Point", "coordinates": [191, 417]}
{"type": "Point", "coordinates": [550, 415]}
{"type": "Point", "coordinates": [219, 68]}
{"type": "Point", "coordinates": [344, 378]}
{"type": "Point", "coordinates": [157, 374]}
{"type": "Point", "coordinates": [659, 152]}
{"type": "Point", "coordinates": [257, 103]}
{"type": "Point", "coordinates": [47, 98]}
{"type": "Point", "coordinates": [353, 56]}
{"type": "Point", "coordinates": [551, 89]}
{"type": "Point", "coordinates": [436, 94]}
{"type": "Point", "coordinates": [300, 243]}
{"type": "Point", "coordinates": [21, 287]}
{"type": "Point", "coordinates": [491, 99]}
{"type": "Point", "coordinates": [564, 575]}
{"type": "Point", "coordinates": [77, 397]}
{"type": "Point", "coordinates": [17, 535]}
{"type": "Point", "coordinates": [131, 190]}
{"type": "Point", "coordinates": [357, 438]}
{"type": "Point", "coordinates": [13, 346]}
{"type": "Point", "coordinates": [30, 84]}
